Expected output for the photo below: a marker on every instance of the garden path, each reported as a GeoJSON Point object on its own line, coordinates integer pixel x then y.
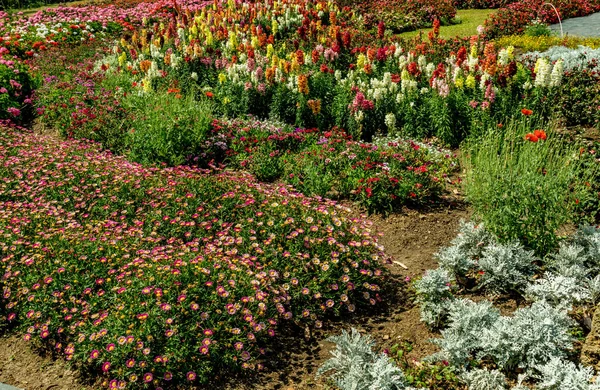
{"type": "Point", "coordinates": [585, 26]}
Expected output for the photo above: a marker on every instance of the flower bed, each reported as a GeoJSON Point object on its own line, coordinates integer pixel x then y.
{"type": "Point", "coordinates": [162, 275]}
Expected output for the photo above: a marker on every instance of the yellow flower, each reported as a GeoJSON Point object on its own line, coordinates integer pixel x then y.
{"type": "Point", "coordinates": [226, 100]}
{"type": "Point", "coordinates": [470, 81]}
{"type": "Point", "coordinates": [474, 51]}
{"type": "Point", "coordinates": [222, 78]}
{"type": "Point", "coordinates": [274, 27]}
{"type": "Point", "coordinates": [361, 60]}
{"type": "Point", "coordinates": [122, 59]}
{"type": "Point", "coordinates": [269, 50]}
{"type": "Point", "coordinates": [459, 82]}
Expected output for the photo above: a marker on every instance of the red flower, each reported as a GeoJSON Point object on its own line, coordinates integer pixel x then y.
{"type": "Point", "coordinates": [531, 137]}
{"type": "Point", "coordinates": [209, 95]}
{"type": "Point", "coordinates": [369, 192]}
{"type": "Point", "coordinates": [541, 134]}
{"type": "Point", "coordinates": [526, 111]}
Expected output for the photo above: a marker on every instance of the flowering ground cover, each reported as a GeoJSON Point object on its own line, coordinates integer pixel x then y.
{"type": "Point", "coordinates": [153, 275]}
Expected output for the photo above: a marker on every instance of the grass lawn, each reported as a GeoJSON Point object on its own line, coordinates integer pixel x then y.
{"type": "Point", "coordinates": [470, 19]}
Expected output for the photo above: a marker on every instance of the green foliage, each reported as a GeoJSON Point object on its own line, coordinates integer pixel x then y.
{"type": "Point", "coordinates": [425, 375]}
{"type": "Point", "coordinates": [167, 128]}
{"type": "Point", "coordinates": [525, 190]}
{"type": "Point", "coordinates": [537, 29]}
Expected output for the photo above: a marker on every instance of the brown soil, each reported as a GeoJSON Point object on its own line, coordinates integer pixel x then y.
{"type": "Point", "coordinates": [410, 237]}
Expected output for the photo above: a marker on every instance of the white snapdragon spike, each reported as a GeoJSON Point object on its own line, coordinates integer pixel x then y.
{"type": "Point", "coordinates": [390, 120]}
{"type": "Point", "coordinates": [472, 62]}
{"type": "Point", "coordinates": [155, 51]}
{"type": "Point", "coordinates": [399, 98]}
{"type": "Point", "coordinates": [543, 69]}
{"type": "Point", "coordinates": [194, 76]}
{"type": "Point", "coordinates": [424, 90]}
{"type": "Point", "coordinates": [484, 78]}
{"type": "Point", "coordinates": [402, 62]}
{"type": "Point", "coordinates": [387, 79]}
{"type": "Point", "coordinates": [429, 69]}
{"type": "Point", "coordinates": [175, 61]}
{"type": "Point", "coordinates": [398, 51]}
{"type": "Point", "coordinates": [456, 74]}
{"type": "Point", "coordinates": [527, 85]}
{"type": "Point", "coordinates": [557, 73]}
{"type": "Point", "coordinates": [359, 116]}
{"type": "Point", "coordinates": [422, 61]}
{"type": "Point", "coordinates": [181, 35]}
{"type": "Point", "coordinates": [153, 72]}
{"type": "Point", "coordinates": [338, 75]}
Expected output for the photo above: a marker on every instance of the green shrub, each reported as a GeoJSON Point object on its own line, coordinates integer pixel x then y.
{"type": "Point", "coordinates": [168, 128]}
{"type": "Point", "coordinates": [525, 190]}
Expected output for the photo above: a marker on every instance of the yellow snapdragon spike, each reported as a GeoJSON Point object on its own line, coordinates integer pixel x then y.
{"type": "Point", "coordinates": [470, 82]}
{"type": "Point", "coordinates": [274, 26]}
{"type": "Point", "coordinates": [361, 60]}
{"type": "Point", "coordinates": [222, 78]}
{"type": "Point", "coordinates": [146, 85]}
{"type": "Point", "coordinates": [122, 59]}
{"type": "Point", "coordinates": [269, 50]}
{"type": "Point", "coordinates": [460, 82]}
{"type": "Point", "coordinates": [254, 42]}
{"type": "Point", "coordinates": [405, 75]}
{"type": "Point", "coordinates": [511, 52]}
{"type": "Point", "coordinates": [473, 51]}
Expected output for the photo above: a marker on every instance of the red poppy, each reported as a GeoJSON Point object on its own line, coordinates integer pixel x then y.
{"type": "Point", "coordinates": [541, 134]}
{"type": "Point", "coordinates": [531, 137]}
{"type": "Point", "coordinates": [526, 111]}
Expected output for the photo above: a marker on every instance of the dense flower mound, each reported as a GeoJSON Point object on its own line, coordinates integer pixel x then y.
{"type": "Point", "coordinates": [155, 275]}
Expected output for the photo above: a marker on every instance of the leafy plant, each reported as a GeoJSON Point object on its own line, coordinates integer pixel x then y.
{"type": "Point", "coordinates": [525, 190]}
{"type": "Point", "coordinates": [355, 366]}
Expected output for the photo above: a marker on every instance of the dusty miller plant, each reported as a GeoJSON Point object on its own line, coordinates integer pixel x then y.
{"type": "Point", "coordinates": [434, 292]}
{"type": "Point", "coordinates": [467, 245]}
{"type": "Point", "coordinates": [482, 379]}
{"type": "Point", "coordinates": [559, 374]}
{"type": "Point", "coordinates": [530, 337]}
{"type": "Point", "coordinates": [559, 291]}
{"type": "Point", "coordinates": [354, 365]}
{"type": "Point", "coordinates": [462, 338]}
{"type": "Point", "coordinates": [506, 268]}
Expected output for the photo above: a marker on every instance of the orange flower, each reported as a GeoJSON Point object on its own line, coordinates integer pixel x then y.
{"type": "Point", "coordinates": [526, 111]}
{"type": "Point", "coordinates": [541, 134]}
{"type": "Point", "coordinates": [145, 65]}
{"type": "Point", "coordinates": [315, 106]}
{"type": "Point", "coordinates": [303, 84]}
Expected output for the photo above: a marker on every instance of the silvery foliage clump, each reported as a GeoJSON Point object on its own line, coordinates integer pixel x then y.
{"type": "Point", "coordinates": [560, 374]}
{"type": "Point", "coordinates": [354, 365]}
{"type": "Point", "coordinates": [506, 267]}
{"type": "Point", "coordinates": [483, 379]}
{"type": "Point", "coordinates": [531, 336]}
{"type": "Point", "coordinates": [559, 291]}
{"type": "Point", "coordinates": [462, 338]}
{"type": "Point", "coordinates": [468, 245]}
{"type": "Point", "coordinates": [574, 272]}
{"type": "Point", "coordinates": [434, 292]}
{"type": "Point", "coordinates": [574, 59]}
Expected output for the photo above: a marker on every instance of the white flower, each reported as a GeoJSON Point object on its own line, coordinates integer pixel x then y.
{"type": "Point", "coordinates": [390, 121]}
{"type": "Point", "coordinates": [557, 73]}
{"type": "Point", "coordinates": [194, 76]}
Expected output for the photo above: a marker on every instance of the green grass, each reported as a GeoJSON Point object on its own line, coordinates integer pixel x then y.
{"type": "Point", "coordinates": [469, 20]}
